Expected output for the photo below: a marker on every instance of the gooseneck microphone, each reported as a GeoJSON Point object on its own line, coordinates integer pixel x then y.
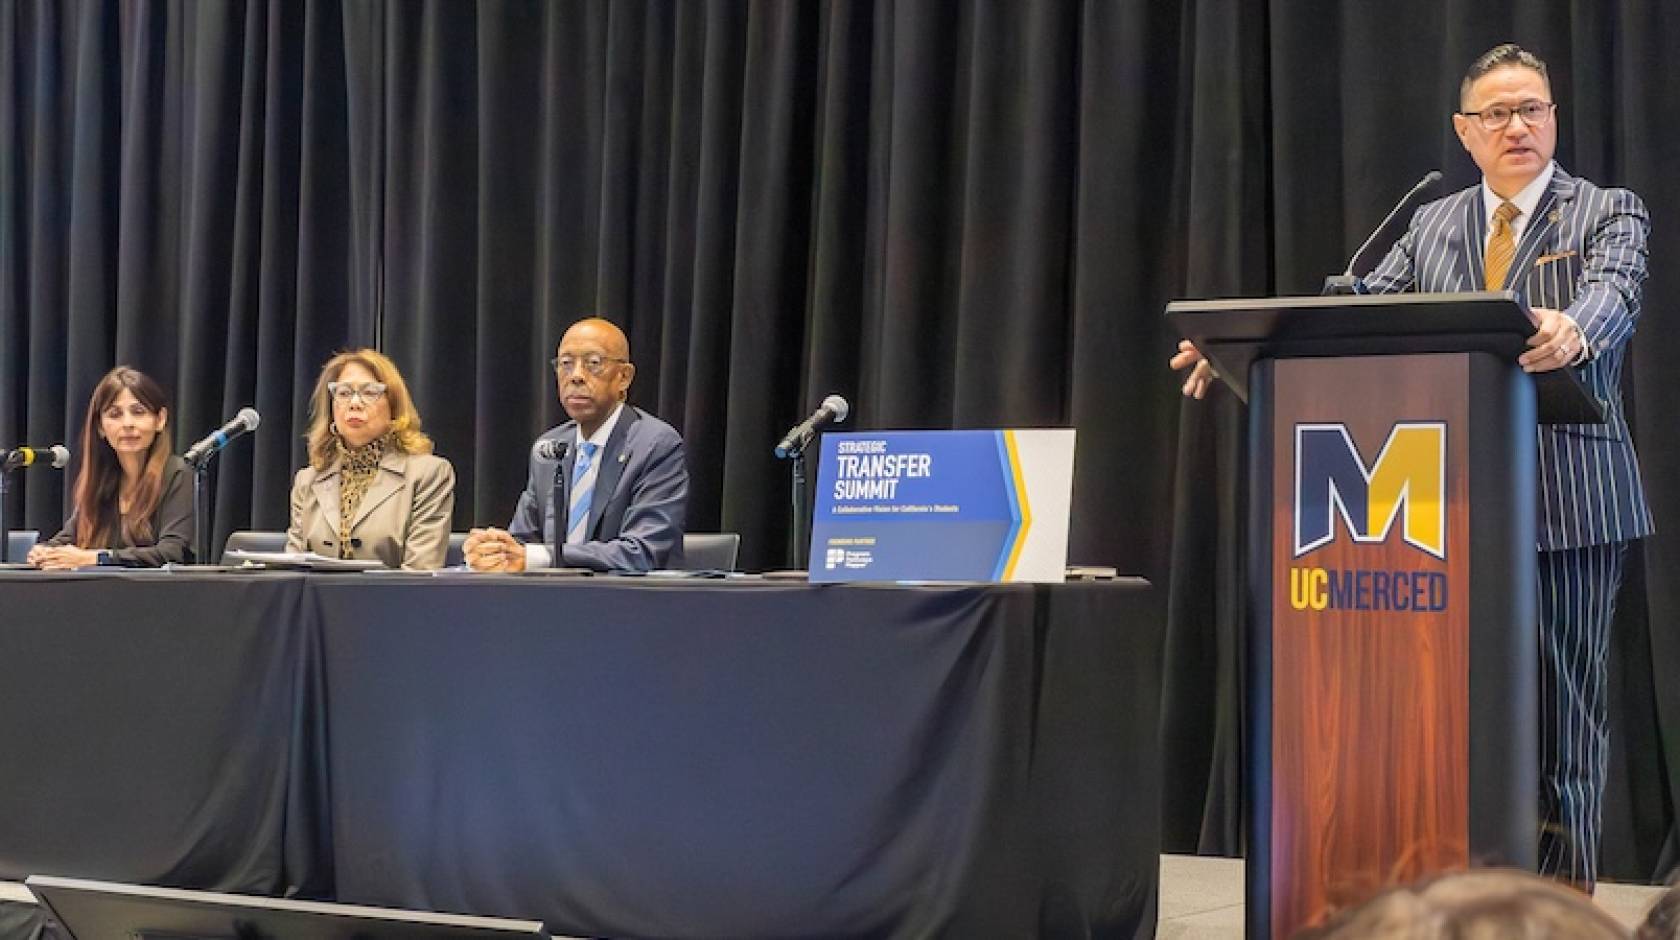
{"type": "Point", "coordinates": [57, 457]}
{"type": "Point", "coordinates": [198, 458]}
{"type": "Point", "coordinates": [243, 423]}
{"type": "Point", "coordinates": [1345, 283]}
{"type": "Point", "coordinates": [17, 458]}
{"type": "Point", "coordinates": [833, 410]}
{"type": "Point", "coordinates": [791, 447]}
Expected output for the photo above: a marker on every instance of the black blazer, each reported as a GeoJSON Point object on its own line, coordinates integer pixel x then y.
{"type": "Point", "coordinates": [172, 526]}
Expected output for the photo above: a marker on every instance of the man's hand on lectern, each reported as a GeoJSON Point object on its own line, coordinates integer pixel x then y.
{"type": "Point", "coordinates": [1557, 343]}
{"type": "Point", "coordinates": [1201, 376]}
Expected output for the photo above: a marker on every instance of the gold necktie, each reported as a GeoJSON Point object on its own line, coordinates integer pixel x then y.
{"type": "Point", "coordinates": [1502, 247]}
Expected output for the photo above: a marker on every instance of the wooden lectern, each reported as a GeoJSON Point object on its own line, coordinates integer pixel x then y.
{"type": "Point", "coordinates": [1391, 725]}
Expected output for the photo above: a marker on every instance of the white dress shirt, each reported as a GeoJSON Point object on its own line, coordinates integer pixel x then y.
{"type": "Point", "coordinates": [1526, 200]}
{"type": "Point", "coordinates": [538, 554]}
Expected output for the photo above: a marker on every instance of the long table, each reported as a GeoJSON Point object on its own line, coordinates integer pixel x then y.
{"type": "Point", "coordinates": [613, 756]}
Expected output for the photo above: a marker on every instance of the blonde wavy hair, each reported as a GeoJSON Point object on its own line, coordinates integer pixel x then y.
{"type": "Point", "coordinates": [405, 420]}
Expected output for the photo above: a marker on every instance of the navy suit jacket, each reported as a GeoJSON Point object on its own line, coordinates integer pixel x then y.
{"type": "Point", "coordinates": [641, 497]}
{"type": "Point", "coordinates": [1583, 252]}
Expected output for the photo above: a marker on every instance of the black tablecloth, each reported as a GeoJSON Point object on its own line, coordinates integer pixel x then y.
{"type": "Point", "coordinates": [153, 729]}
{"type": "Point", "coordinates": [746, 760]}
{"type": "Point", "coordinates": [613, 757]}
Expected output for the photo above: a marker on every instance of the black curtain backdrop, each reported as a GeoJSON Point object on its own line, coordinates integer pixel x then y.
{"type": "Point", "coordinates": [957, 215]}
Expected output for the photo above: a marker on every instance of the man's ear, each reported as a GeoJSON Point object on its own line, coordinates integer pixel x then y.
{"type": "Point", "coordinates": [1461, 127]}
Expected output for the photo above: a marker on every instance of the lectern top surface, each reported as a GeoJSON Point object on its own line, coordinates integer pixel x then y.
{"type": "Point", "coordinates": [1235, 332]}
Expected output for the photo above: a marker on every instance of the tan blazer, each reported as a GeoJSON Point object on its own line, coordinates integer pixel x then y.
{"type": "Point", "coordinates": [403, 520]}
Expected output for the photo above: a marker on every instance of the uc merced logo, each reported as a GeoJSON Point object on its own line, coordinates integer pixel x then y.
{"type": "Point", "coordinates": [1402, 495]}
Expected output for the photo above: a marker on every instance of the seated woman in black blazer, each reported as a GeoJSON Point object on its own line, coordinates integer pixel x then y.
{"type": "Point", "coordinates": [133, 498]}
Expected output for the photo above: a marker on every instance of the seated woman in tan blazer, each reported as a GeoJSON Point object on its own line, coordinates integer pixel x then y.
{"type": "Point", "coordinates": [373, 489]}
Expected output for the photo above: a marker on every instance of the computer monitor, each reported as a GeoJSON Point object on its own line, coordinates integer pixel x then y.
{"type": "Point", "coordinates": [102, 910]}
{"type": "Point", "coordinates": [18, 544]}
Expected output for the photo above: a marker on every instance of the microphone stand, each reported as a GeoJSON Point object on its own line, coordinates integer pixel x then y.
{"type": "Point", "coordinates": [792, 448]}
{"type": "Point", "coordinates": [801, 521]}
{"type": "Point", "coordinates": [201, 508]}
{"type": "Point", "coordinates": [199, 457]}
{"type": "Point", "coordinates": [5, 529]}
{"type": "Point", "coordinates": [801, 546]}
{"type": "Point", "coordinates": [557, 499]}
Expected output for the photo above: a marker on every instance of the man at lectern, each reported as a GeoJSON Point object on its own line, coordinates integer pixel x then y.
{"type": "Point", "coordinates": [1577, 253]}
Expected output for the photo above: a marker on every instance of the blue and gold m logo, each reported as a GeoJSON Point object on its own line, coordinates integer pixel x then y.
{"type": "Point", "coordinates": [1408, 477]}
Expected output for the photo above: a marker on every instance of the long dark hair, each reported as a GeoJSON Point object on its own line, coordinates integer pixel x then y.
{"type": "Point", "coordinates": [99, 481]}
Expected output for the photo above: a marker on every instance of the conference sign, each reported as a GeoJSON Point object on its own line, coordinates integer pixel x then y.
{"type": "Point", "coordinates": [943, 506]}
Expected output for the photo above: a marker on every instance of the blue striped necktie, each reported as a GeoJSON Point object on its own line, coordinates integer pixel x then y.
{"type": "Point", "coordinates": [583, 492]}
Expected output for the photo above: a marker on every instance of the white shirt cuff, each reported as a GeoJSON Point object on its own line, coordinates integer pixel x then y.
{"type": "Point", "coordinates": [537, 555]}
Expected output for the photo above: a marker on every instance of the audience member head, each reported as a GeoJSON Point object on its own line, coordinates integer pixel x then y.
{"type": "Point", "coordinates": [122, 435]}
{"type": "Point", "coordinates": [1662, 921]}
{"type": "Point", "coordinates": [592, 371]}
{"type": "Point", "coordinates": [359, 398]}
{"type": "Point", "coordinates": [1481, 904]}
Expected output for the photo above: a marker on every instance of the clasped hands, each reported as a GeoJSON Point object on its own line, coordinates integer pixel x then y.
{"type": "Point", "coordinates": [1557, 342]}
{"type": "Point", "coordinates": [61, 557]}
{"type": "Point", "coordinates": [492, 549]}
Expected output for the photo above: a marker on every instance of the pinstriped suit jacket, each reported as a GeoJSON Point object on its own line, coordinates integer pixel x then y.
{"type": "Point", "coordinates": [1583, 252]}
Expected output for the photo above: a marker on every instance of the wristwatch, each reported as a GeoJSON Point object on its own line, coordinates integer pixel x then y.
{"type": "Point", "coordinates": [103, 556]}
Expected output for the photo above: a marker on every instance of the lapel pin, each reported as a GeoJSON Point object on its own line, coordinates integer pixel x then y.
{"type": "Point", "coordinates": [623, 457]}
{"type": "Point", "coordinates": [1554, 216]}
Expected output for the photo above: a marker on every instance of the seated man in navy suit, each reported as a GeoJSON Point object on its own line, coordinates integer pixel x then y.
{"type": "Point", "coordinates": [1576, 253]}
{"type": "Point", "coordinates": [626, 477]}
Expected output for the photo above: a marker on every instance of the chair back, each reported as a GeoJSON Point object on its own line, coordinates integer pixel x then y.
{"type": "Point", "coordinates": [247, 540]}
{"type": "Point", "coordinates": [454, 556]}
{"type": "Point", "coordinates": [18, 544]}
{"type": "Point", "coordinates": [710, 551]}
